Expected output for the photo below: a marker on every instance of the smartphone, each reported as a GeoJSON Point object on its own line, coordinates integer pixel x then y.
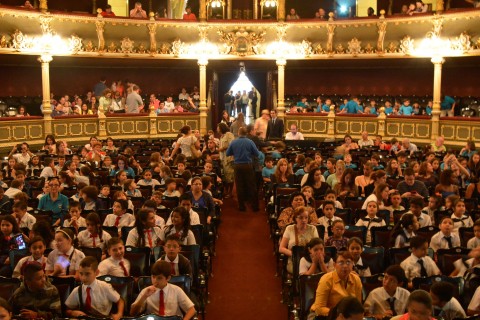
{"type": "Point", "coordinates": [21, 245]}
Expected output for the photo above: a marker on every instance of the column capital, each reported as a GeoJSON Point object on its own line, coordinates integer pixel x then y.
{"type": "Point", "coordinates": [45, 58]}
{"type": "Point", "coordinates": [281, 62]}
{"type": "Point", "coordinates": [202, 62]}
{"type": "Point", "coordinates": [437, 60]}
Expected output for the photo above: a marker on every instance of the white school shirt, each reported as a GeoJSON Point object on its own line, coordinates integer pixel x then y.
{"type": "Point", "coordinates": [47, 172]}
{"type": "Point", "coordinates": [362, 271]}
{"type": "Point", "coordinates": [85, 239]}
{"type": "Point", "coordinates": [424, 219]}
{"type": "Point", "coordinates": [175, 262]}
{"type": "Point", "coordinates": [400, 240]}
{"type": "Point", "coordinates": [27, 221]}
{"type": "Point", "coordinates": [462, 268]}
{"type": "Point", "coordinates": [464, 221]}
{"type": "Point", "coordinates": [174, 193]}
{"type": "Point", "coordinates": [111, 267]}
{"type": "Point", "coordinates": [412, 267]}
{"type": "Point", "coordinates": [338, 205]}
{"type": "Point", "coordinates": [194, 218]}
{"type": "Point", "coordinates": [473, 243]}
{"type": "Point", "coordinates": [475, 302]}
{"type": "Point", "coordinates": [126, 220]}
{"type": "Point", "coordinates": [452, 310]}
{"type": "Point", "coordinates": [175, 301]}
{"type": "Point", "coordinates": [53, 258]}
{"type": "Point", "coordinates": [155, 235]}
{"type": "Point", "coordinates": [369, 223]}
{"type": "Point", "coordinates": [188, 240]}
{"type": "Point", "coordinates": [81, 222]}
{"type": "Point", "coordinates": [324, 222]}
{"type": "Point", "coordinates": [305, 265]}
{"type": "Point", "coordinates": [376, 302]}
{"type": "Point", "coordinates": [21, 262]}
{"type": "Point", "coordinates": [102, 296]}
{"type": "Point", "coordinates": [438, 241]}
{"type": "Point", "coordinates": [152, 183]}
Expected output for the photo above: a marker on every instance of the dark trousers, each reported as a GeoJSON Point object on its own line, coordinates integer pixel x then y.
{"type": "Point", "coordinates": [246, 185]}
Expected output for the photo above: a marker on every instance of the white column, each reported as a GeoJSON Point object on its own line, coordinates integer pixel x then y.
{"type": "Point", "coordinates": [47, 108]}
{"type": "Point", "coordinates": [281, 63]}
{"type": "Point", "coordinates": [202, 63]}
{"type": "Point", "coordinates": [437, 92]}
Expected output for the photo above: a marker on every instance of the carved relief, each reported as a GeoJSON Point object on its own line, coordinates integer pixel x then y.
{"type": "Point", "coordinates": [152, 30]}
{"type": "Point", "coordinates": [112, 47]}
{"type": "Point", "coordinates": [306, 48]}
{"type": "Point", "coordinates": [178, 48]}
{"type": "Point", "coordinates": [437, 25]}
{"type": "Point", "coordinates": [241, 42]}
{"type": "Point", "coordinates": [281, 31]}
{"type": "Point", "coordinates": [354, 47]}
{"type": "Point", "coordinates": [392, 48]}
{"type": "Point", "coordinates": [382, 30]}
{"type": "Point", "coordinates": [89, 47]}
{"type": "Point", "coordinates": [330, 33]}
{"type": "Point", "coordinates": [3, 42]}
{"type": "Point", "coordinates": [462, 43]}
{"type": "Point", "coordinates": [165, 48]}
{"type": "Point", "coordinates": [127, 46]}
{"type": "Point", "coordinates": [318, 49]}
{"type": "Point", "coordinates": [406, 45]}
{"type": "Point", "coordinates": [369, 48]}
{"type": "Point", "coordinates": [75, 43]}
{"type": "Point", "coordinates": [141, 48]}
{"type": "Point", "coordinates": [45, 23]}
{"type": "Point", "coordinates": [18, 40]}
{"type": "Point", "coordinates": [100, 25]}
{"type": "Point", "coordinates": [340, 49]}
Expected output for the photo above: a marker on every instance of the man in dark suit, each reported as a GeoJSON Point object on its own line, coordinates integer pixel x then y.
{"type": "Point", "coordinates": [275, 128]}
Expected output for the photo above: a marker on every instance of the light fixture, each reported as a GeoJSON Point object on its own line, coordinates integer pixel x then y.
{"type": "Point", "coordinates": [203, 51]}
{"type": "Point", "coordinates": [343, 9]}
{"type": "Point", "coordinates": [270, 3]}
{"type": "Point", "coordinates": [436, 48]}
{"type": "Point", "coordinates": [47, 44]}
{"type": "Point", "coordinates": [215, 4]}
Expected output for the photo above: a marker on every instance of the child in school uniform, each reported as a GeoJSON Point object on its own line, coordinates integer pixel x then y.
{"type": "Point", "coordinates": [115, 265]}
{"type": "Point", "coordinates": [119, 217]}
{"type": "Point", "coordinates": [151, 206]}
{"type": "Point", "coordinates": [396, 205]}
{"type": "Point", "coordinates": [148, 180]}
{"type": "Point", "coordinates": [178, 263]}
{"type": "Point", "coordinates": [330, 195]}
{"type": "Point", "coordinates": [75, 220]}
{"type": "Point", "coordinates": [434, 205]}
{"type": "Point", "coordinates": [24, 219]}
{"type": "Point", "coordinates": [163, 298]}
{"type": "Point", "coordinates": [355, 248]}
{"type": "Point", "coordinates": [445, 238]}
{"type": "Point", "coordinates": [36, 247]}
{"type": "Point", "coordinates": [416, 205]}
{"type": "Point", "coordinates": [186, 202]}
{"type": "Point", "coordinates": [9, 228]}
{"type": "Point", "coordinates": [64, 260]}
{"type": "Point", "coordinates": [314, 260]}
{"type": "Point", "coordinates": [93, 297]}
{"type": "Point", "coordinates": [93, 236]}
{"type": "Point", "coordinates": [104, 192]}
{"type": "Point", "coordinates": [145, 233]}
{"type": "Point", "coordinates": [337, 240]}
{"type": "Point", "coordinates": [459, 218]}
{"type": "Point", "coordinates": [328, 217]}
{"type": "Point", "coordinates": [130, 188]}
{"type": "Point", "coordinates": [419, 264]}
{"type": "Point", "coordinates": [180, 226]}
{"type": "Point", "coordinates": [88, 200]}
{"type": "Point", "coordinates": [268, 169]}
{"type": "Point", "coordinates": [445, 305]}
{"type": "Point", "coordinates": [390, 299]}
{"type": "Point", "coordinates": [475, 241]}
{"type": "Point", "coordinates": [469, 268]}
{"type": "Point", "coordinates": [371, 220]}
{"type": "Point", "coordinates": [171, 191]}
{"type": "Point", "coordinates": [405, 230]}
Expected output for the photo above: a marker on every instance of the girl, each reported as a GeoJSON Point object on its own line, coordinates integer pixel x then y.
{"type": "Point", "coordinates": [299, 162]}
{"type": "Point", "coordinates": [9, 171]}
{"type": "Point", "coordinates": [147, 180]}
{"type": "Point", "coordinates": [9, 228]}
{"type": "Point", "coordinates": [314, 180]}
{"type": "Point", "coordinates": [459, 218]}
{"type": "Point", "coordinates": [371, 220]}
{"type": "Point", "coordinates": [425, 174]}
{"type": "Point", "coordinates": [337, 240]}
{"type": "Point", "coordinates": [70, 168]}
{"type": "Point", "coordinates": [448, 184]}
{"type": "Point", "coordinates": [355, 247]}
{"type": "Point", "coordinates": [346, 186]}
{"type": "Point", "coordinates": [37, 247]}
{"type": "Point", "coordinates": [405, 230]}
{"type": "Point", "coordinates": [180, 226]}
{"type": "Point", "coordinates": [65, 181]}
{"type": "Point", "coordinates": [415, 166]}
{"type": "Point", "coordinates": [449, 203]}
{"type": "Point", "coordinates": [165, 173]}
{"type": "Point", "coordinates": [5, 310]}
{"type": "Point", "coordinates": [207, 187]}
{"type": "Point", "coordinates": [34, 164]}
{"type": "Point", "coordinates": [119, 218]}
{"type": "Point", "coordinates": [22, 112]}
{"type": "Point", "coordinates": [308, 193]}
{"type": "Point", "coordinates": [65, 260]}
{"type": "Point", "coordinates": [145, 233]}
{"type": "Point", "coordinates": [130, 188]}
{"type": "Point", "coordinates": [50, 144]}
{"type": "Point", "coordinates": [445, 238]}
{"type": "Point", "coordinates": [93, 236]}
{"type": "Point", "coordinates": [120, 179]}
{"type": "Point", "coordinates": [393, 170]}
{"type": "Point", "coordinates": [165, 152]}
{"type": "Point", "coordinates": [110, 148]}
{"type": "Point", "coordinates": [122, 164]}
{"type": "Point", "coordinates": [43, 230]}
{"type": "Point", "coordinates": [155, 157]}
{"type": "Point", "coordinates": [314, 259]}
{"type": "Point", "coordinates": [434, 206]}
{"type": "Point", "coordinates": [89, 198]}
{"type": "Point", "coordinates": [436, 167]}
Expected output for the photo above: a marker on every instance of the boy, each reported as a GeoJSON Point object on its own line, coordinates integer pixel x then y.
{"type": "Point", "coordinates": [402, 159]}
{"type": "Point", "coordinates": [49, 171]}
{"type": "Point", "coordinates": [37, 248]}
{"type": "Point", "coordinates": [36, 298]}
{"type": "Point", "coordinates": [328, 217]}
{"type": "Point", "coordinates": [27, 188]}
{"type": "Point", "coordinates": [406, 109]}
{"type": "Point", "coordinates": [61, 163]}
{"type": "Point", "coordinates": [115, 265]}
{"type": "Point", "coordinates": [268, 170]}
{"type": "Point", "coordinates": [179, 265]}
{"type": "Point", "coordinates": [445, 238]}
{"type": "Point", "coordinates": [475, 241]}
{"type": "Point", "coordinates": [161, 297]}
{"type": "Point", "coordinates": [24, 219]}
{"type": "Point", "coordinates": [434, 204]}
{"type": "Point", "coordinates": [76, 220]}
{"type": "Point", "coordinates": [171, 186]}
{"type": "Point", "coordinates": [375, 160]}
{"type": "Point", "coordinates": [186, 202]}
{"type": "Point", "coordinates": [396, 205]}
{"type": "Point", "coordinates": [104, 192]}
{"type": "Point", "coordinates": [330, 167]}
{"type": "Point", "coordinates": [93, 297]}
{"type": "Point", "coordinates": [419, 264]}
{"type": "Point", "coordinates": [332, 196]}
{"type": "Point", "coordinates": [182, 172]}
{"type": "Point", "coordinates": [416, 206]}
{"type": "Point", "coordinates": [445, 306]}
{"type": "Point", "coordinates": [348, 162]}
{"type": "Point", "coordinates": [301, 172]}
{"type": "Point", "coordinates": [157, 197]}
{"type": "Point", "coordinates": [390, 299]}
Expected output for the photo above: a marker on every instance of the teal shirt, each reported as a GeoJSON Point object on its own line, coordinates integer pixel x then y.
{"type": "Point", "coordinates": [447, 103]}
{"type": "Point", "coordinates": [406, 110]}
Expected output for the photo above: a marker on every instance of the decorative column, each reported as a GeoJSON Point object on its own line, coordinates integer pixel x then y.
{"type": "Point", "coordinates": [437, 91]}
{"type": "Point", "coordinates": [440, 6]}
{"type": "Point", "coordinates": [47, 107]}
{"type": "Point", "coordinates": [43, 6]}
{"type": "Point", "coordinates": [255, 9]}
{"type": "Point", "coordinates": [152, 30]}
{"type": "Point", "coordinates": [281, 63]}
{"type": "Point", "coordinates": [281, 10]}
{"type": "Point", "coordinates": [202, 14]}
{"type": "Point", "coordinates": [94, 6]}
{"type": "Point", "coordinates": [274, 95]}
{"type": "Point", "coordinates": [100, 26]}
{"type": "Point", "coordinates": [202, 63]}
{"type": "Point", "coordinates": [331, 122]}
{"type": "Point", "coordinates": [381, 122]}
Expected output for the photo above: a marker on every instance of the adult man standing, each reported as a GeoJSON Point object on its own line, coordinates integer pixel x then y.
{"type": "Point", "coordinates": [294, 134]}
{"type": "Point", "coordinates": [275, 127]}
{"type": "Point", "coordinates": [134, 102]}
{"type": "Point", "coordinates": [100, 87]}
{"type": "Point", "coordinates": [244, 151]}
{"type": "Point", "coordinates": [137, 11]}
{"type": "Point", "coordinates": [365, 141]}
{"type": "Point", "coordinates": [227, 100]}
{"type": "Point", "coordinates": [261, 124]}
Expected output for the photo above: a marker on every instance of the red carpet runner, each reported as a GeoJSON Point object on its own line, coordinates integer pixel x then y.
{"type": "Point", "coordinates": [244, 285]}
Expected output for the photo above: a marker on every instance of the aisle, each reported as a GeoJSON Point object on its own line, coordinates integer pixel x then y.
{"type": "Point", "coordinates": [244, 285]}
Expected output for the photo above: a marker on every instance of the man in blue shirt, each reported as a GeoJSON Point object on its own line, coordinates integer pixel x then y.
{"type": "Point", "coordinates": [447, 107]}
{"type": "Point", "coordinates": [244, 153]}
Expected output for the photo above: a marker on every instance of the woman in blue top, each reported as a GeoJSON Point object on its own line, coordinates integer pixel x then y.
{"type": "Point", "coordinates": [447, 185]}
{"type": "Point", "coordinates": [54, 201]}
{"type": "Point", "coordinates": [201, 199]}
{"type": "Point", "coordinates": [122, 164]}
{"type": "Point", "coordinates": [469, 150]}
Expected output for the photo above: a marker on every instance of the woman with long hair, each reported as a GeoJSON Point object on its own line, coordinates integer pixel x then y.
{"type": "Point", "coordinates": [283, 173]}
{"type": "Point", "coordinates": [185, 143]}
{"type": "Point", "coordinates": [314, 180]}
{"type": "Point", "coordinates": [237, 124]}
{"type": "Point", "coordinates": [447, 185]}
{"type": "Point", "coordinates": [346, 186]}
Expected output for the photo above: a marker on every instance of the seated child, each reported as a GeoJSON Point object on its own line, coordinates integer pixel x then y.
{"type": "Point", "coordinates": [171, 191]}
{"type": "Point", "coordinates": [348, 162]}
{"type": "Point", "coordinates": [434, 205]}
{"type": "Point", "coordinates": [178, 263]}
{"type": "Point", "coordinates": [419, 264]}
{"type": "Point", "coordinates": [151, 206]}
{"type": "Point", "coordinates": [208, 171]}
{"type": "Point", "coordinates": [186, 202]}
{"type": "Point", "coordinates": [450, 202]}
{"type": "Point", "coordinates": [93, 297]}
{"type": "Point", "coordinates": [78, 196]}
{"type": "Point", "coordinates": [153, 298]}
{"type": "Point", "coordinates": [104, 192]}
{"type": "Point", "coordinates": [157, 197]}
{"type": "Point", "coordinates": [475, 241]}
{"type": "Point", "coordinates": [371, 220]}
{"type": "Point", "coordinates": [75, 220]}
{"type": "Point", "coordinates": [180, 226]}
{"type": "Point", "coordinates": [36, 247]}
{"type": "Point", "coordinates": [64, 260]}
{"type": "Point", "coordinates": [268, 170]}
{"type": "Point", "coordinates": [445, 238]}
{"type": "Point", "coordinates": [445, 305]}
{"type": "Point", "coordinates": [314, 260]}
{"type": "Point", "coordinates": [115, 265]}
{"type": "Point", "coordinates": [119, 217]}
{"type": "Point", "coordinates": [93, 236]}
{"type": "Point", "coordinates": [89, 199]}
{"type": "Point", "coordinates": [36, 298]}
{"type": "Point", "coordinates": [375, 160]}
{"type": "Point", "coordinates": [145, 233]}
{"type": "Point", "coordinates": [459, 218]}
{"type": "Point", "coordinates": [390, 299]}
{"type": "Point", "coordinates": [355, 248]}
{"type": "Point", "coordinates": [330, 195]}
{"type": "Point", "coordinates": [148, 180]}
{"type": "Point", "coordinates": [328, 217]}
{"type": "Point", "coordinates": [337, 240]}
{"type": "Point", "coordinates": [416, 205]}
{"type": "Point", "coordinates": [182, 171]}
{"type": "Point", "coordinates": [405, 230]}
{"type": "Point", "coordinates": [130, 188]}
{"type": "Point", "coordinates": [396, 205]}
{"type": "Point", "coordinates": [308, 193]}
{"type": "Point", "coordinates": [25, 219]}
{"type": "Point", "coordinates": [207, 186]}
{"type": "Point", "coordinates": [469, 268]}
{"type": "Point", "coordinates": [121, 195]}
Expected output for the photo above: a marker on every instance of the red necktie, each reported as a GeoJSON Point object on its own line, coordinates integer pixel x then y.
{"type": "Point", "coordinates": [7, 238]}
{"type": "Point", "coordinates": [88, 300]}
{"type": "Point", "coordinates": [125, 272]}
{"type": "Point", "coordinates": [161, 305]}
{"type": "Point", "coordinates": [93, 236]}
{"type": "Point", "coordinates": [172, 270]}
{"type": "Point", "coordinates": [149, 235]}
{"type": "Point", "coordinates": [117, 221]}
